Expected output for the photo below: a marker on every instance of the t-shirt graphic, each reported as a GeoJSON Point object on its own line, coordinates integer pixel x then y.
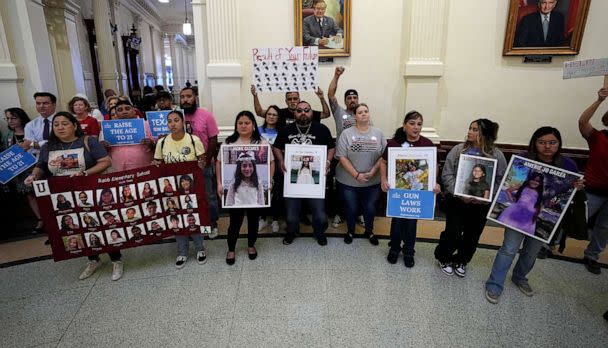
{"type": "Point", "coordinates": [66, 162]}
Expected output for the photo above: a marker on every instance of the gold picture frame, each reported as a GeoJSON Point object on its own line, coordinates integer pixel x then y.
{"type": "Point", "coordinates": [335, 23]}
{"type": "Point", "coordinates": [525, 34]}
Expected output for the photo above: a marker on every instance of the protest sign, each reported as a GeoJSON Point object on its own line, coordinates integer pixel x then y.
{"type": "Point", "coordinates": [245, 176]}
{"type": "Point", "coordinates": [305, 176]}
{"type": "Point", "coordinates": [14, 161]}
{"type": "Point", "coordinates": [123, 132]}
{"type": "Point", "coordinates": [285, 69]}
{"type": "Point", "coordinates": [158, 122]}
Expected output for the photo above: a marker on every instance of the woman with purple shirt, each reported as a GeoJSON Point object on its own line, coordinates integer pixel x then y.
{"type": "Point", "coordinates": [545, 146]}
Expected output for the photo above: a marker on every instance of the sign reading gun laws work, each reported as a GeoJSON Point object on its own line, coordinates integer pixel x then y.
{"type": "Point", "coordinates": [533, 198]}
{"type": "Point", "coordinates": [88, 215]}
{"type": "Point", "coordinates": [13, 161]}
{"type": "Point", "coordinates": [411, 177]}
{"type": "Point", "coordinates": [285, 69]}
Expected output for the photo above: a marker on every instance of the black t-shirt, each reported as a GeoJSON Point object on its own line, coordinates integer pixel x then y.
{"type": "Point", "coordinates": [477, 189]}
{"type": "Point", "coordinates": [318, 134]}
{"type": "Point", "coordinates": [288, 117]}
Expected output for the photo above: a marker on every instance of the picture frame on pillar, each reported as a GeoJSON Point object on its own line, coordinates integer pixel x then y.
{"type": "Point", "coordinates": [323, 23]}
{"type": "Point", "coordinates": [545, 27]}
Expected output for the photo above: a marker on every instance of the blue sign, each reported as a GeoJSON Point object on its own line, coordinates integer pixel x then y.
{"type": "Point", "coordinates": [158, 122]}
{"type": "Point", "coordinates": [410, 204]}
{"type": "Point", "coordinates": [123, 132]}
{"type": "Point", "coordinates": [13, 162]}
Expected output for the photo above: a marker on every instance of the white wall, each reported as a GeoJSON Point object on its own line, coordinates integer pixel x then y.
{"type": "Point", "coordinates": [477, 81]}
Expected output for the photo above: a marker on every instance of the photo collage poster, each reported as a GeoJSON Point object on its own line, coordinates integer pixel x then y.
{"type": "Point", "coordinates": [533, 198]}
{"type": "Point", "coordinates": [411, 177]}
{"type": "Point", "coordinates": [475, 177]}
{"type": "Point", "coordinates": [89, 215]}
{"type": "Point", "coordinates": [305, 166]}
{"type": "Point", "coordinates": [246, 175]}
{"type": "Point", "coordinates": [285, 69]}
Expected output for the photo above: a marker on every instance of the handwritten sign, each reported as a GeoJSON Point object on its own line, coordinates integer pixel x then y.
{"type": "Point", "coordinates": [13, 162]}
{"type": "Point", "coordinates": [123, 132]}
{"type": "Point", "coordinates": [410, 204]}
{"type": "Point", "coordinates": [586, 68]}
{"type": "Point", "coordinates": [285, 69]}
{"type": "Point", "coordinates": [158, 122]}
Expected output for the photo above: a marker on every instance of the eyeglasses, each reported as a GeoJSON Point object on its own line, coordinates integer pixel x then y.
{"type": "Point", "coordinates": [303, 110]}
{"type": "Point", "coordinates": [550, 142]}
{"type": "Point", "coordinates": [11, 118]}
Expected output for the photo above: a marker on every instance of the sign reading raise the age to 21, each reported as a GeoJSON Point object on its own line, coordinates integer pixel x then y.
{"type": "Point", "coordinates": [123, 132]}
{"type": "Point", "coordinates": [13, 162]}
{"type": "Point", "coordinates": [158, 122]}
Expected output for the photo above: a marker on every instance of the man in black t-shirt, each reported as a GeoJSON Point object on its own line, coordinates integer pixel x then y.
{"type": "Point", "coordinates": [304, 132]}
{"type": "Point", "coordinates": [287, 115]}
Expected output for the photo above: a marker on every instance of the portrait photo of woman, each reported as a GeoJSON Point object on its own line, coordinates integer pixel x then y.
{"type": "Point", "coordinates": [127, 193]}
{"type": "Point", "coordinates": [68, 222]}
{"type": "Point", "coordinates": [525, 203]}
{"type": "Point", "coordinates": [246, 188]}
{"type": "Point", "coordinates": [94, 239]}
{"type": "Point", "coordinates": [106, 196]}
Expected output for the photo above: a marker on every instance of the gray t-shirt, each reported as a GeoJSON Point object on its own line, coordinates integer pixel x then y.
{"type": "Point", "coordinates": [363, 151]}
{"type": "Point", "coordinates": [344, 120]}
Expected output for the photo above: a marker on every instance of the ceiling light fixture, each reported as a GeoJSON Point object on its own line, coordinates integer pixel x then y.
{"type": "Point", "coordinates": [187, 26]}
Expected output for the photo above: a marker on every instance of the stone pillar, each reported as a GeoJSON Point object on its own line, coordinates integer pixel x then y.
{"type": "Point", "coordinates": [156, 55]}
{"type": "Point", "coordinates": [424, 60]}
{"type": "Point", "coordinates": [224, 68]}
{"type": "Point", "coordinates": [163, 72]}
{"type": "Point", "coordinates": [173, 52]}
{"type": "Point", "coordinates": [108, 73]}
{"type": "Point", "coordinates": [8, 72]}
{"type": "Point", "coordinates": [201, 58]}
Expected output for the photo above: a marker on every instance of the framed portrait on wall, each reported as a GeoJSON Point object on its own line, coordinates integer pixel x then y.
{"type": "Point", "coordinates": [545, 27]}
{"type": "Point", "coordinates": [325, 24]}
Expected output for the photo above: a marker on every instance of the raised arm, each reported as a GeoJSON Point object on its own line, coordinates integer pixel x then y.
{"type": "Point", "coordinates": [333, 85]}
{"type": "Point", "coordinates": [583, 122]}
{"type": "Point", "coordinates": [325, 111]}
{"type": "Point", "coordinates": [259, 110]}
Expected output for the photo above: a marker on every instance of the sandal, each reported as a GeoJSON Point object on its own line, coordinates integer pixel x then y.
{"type": "Point", "coordinates": [252, 255]}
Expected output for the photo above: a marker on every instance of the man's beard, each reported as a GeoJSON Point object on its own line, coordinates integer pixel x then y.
{"type": "Point", "coordinates": [302, 122]}
{"type": "Point", "coordinates": [189, 109]}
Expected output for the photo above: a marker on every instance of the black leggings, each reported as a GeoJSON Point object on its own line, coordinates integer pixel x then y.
{"type": "Point", "coordinates": [114, 256]}
{"type": "Point", "coordinates": [236, 220]}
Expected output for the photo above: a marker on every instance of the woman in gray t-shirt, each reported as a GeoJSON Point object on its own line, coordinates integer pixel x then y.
{"type": "Point", "coordinates": [359, 151]}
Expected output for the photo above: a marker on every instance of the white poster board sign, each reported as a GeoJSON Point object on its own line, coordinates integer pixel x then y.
{"type": "Point", "coordinates": [586, 68]}
{"type": "Point", "coordinates": [305, 171]}
{"type": "Point", "coordinates": [285, 69]}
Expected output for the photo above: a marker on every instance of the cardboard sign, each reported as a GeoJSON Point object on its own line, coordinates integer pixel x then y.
{"type": "Point", "coordinates": [410, 204]}
{"type": "Point", "coordinates": [285, 69]}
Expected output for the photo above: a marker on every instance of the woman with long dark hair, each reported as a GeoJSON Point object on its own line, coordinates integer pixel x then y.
{"type": "Point", "coordinates": [466, 217]}
{"type": "Point", "coordinates": [246, 189]}
{"type": "Point", "coordinates": [545, 146]}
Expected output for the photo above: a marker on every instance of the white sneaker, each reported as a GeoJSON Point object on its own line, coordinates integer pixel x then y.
{"type": "Point", "coordinates": [460, 270]}
{"type": "Point", "coordinates": [214, 233]}
{"type": "Point", "coordinates": [116, 270]}
{"type": "Point", "coordinates": [446, 268]}
{"type": "Point", "coordinates": [275, 226]}
{"type": "Point", "coordinates": [201, 257]}
{"type": "Point", "coordinates": [180, 262]}
{"type": "Point", "coordinates": [337, 221]}
{"type": "Point", "coordinates": [92, 266]}
{"type": "Point", "coordinates": [262, 224]}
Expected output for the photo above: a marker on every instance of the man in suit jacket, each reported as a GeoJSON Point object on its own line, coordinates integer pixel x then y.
{"type": "Point", "coordinates": [319, 28]}
{"type": "Point", "coordinates": [544, 28]}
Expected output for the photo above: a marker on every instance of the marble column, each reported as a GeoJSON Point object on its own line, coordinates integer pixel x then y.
{"type": "Point", "coordinates": [173, 52]}
{"type": "Point", "coordinates": [163, 72]}
{"type": "Point", "coordinates": [8, 72]}
{"type": "Point", "coordinates": [106, 55]}
{"type": "Point", "coordinates": [424, 60]}
{"type": "Point", "coordinates": [201, 47]}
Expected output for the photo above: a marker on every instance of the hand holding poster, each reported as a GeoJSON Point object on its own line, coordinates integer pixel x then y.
{"type": "Point", "coordinates": [305, 166]}
{"type": "Point", "coordinates": [88, 215]}
{"type": "Point", "coordinates": [475, 177]}
{"type": "Point", "coordinates": [245, 176]}
{"type": "Point", "coordinates": [14, 161]}
{"type": "Point", "coordinates": [285, 69]}
{"type": "Point", "coordinates": [411, 177]}
{"type": "Point", "coordinates": [158, 122]}
{"type": "Point", "coordinates": [533, 198]}
{"type": "Point", "coordinates": [123, 132]}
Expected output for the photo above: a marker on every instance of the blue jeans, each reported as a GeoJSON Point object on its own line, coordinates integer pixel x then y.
{"type": "Point", "coordinates": [597, 204]}
{"type": "Point", "coordinates": [182, 243]}
{"type": "Point", "coordinates": [504, 259]}
{"type": "Point", "coordinates": [364, 197]}
{"type": "Point", "coordinates": [317, 208]}
{"type": "Point", "coordinates": [211, 190]}
{"type": "Point", "coordinates": [403, 230]}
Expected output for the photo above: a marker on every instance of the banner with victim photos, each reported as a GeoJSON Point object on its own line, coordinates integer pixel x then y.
{"type": "Point", "coordinates": [533, 198]}
{"type": "Point", "coordinates": [88, 215]}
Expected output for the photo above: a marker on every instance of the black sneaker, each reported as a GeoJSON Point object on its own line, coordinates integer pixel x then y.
{"type": "Point", "coordinates": [543, 253]}
{"type": "Point", "coordinates": [322, 240]}
{"type": "Point", "coordinates": [373, 239]}
{"type": "Point", "coordinates": [606, 315]}
{"type": "Point", "coordinates": [592, 266]}
{"type": "Point", "coordinates": [288, 239]}
{"type": "Point", "coordinates": [348, 238]}
{"type": "Point", "coordinates": [392, 257]}
{"type": "Point", "coordinates": [408, 260]}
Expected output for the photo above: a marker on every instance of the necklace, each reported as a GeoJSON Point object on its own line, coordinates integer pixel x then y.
{"type": "Point", "coordinates": [69, 147]}
{"type": "Point", "coordinates": [302, 137]}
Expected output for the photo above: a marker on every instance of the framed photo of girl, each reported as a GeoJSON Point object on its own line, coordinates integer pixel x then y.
{"type": "Point", "coordinates": [533, 198]}
{"type": "Point", "coordinates": [545, 27]}
{"type": "Point", "coordinates": [245, 176]}
{"type": "Point", "coordinates": [323, 23]}
{"type": "Point", "coordinates": [305, 171]}
{"type": "Point", "coordinates": [475, 177]}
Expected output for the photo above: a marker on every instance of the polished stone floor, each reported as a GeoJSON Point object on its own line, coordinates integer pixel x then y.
{"type": "Point", "coordinates": [301, 295]}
